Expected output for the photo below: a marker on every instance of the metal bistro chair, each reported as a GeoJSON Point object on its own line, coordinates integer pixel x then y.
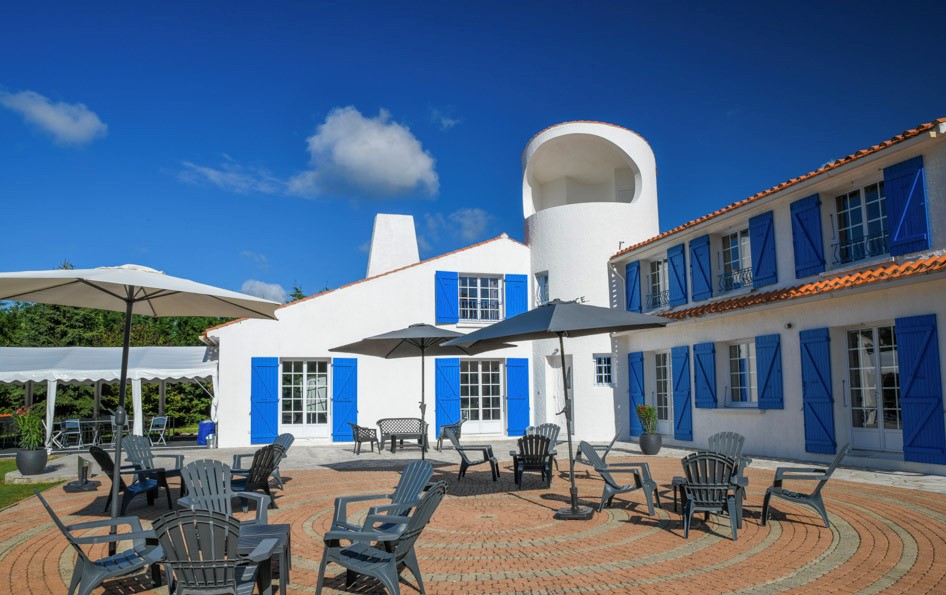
{"type": "Point", "coordinates": [71, 433]}
{"type": "Point", "coordinates": [159, 426]}
{"type": "Point", "coordinates": [640, 471]}
{"type": "Point", "coordinates": [209, 488]}
{"type": "Point", "coordinates": [708, 489]}
{"type": "Point", "coordinates": [813, 499]}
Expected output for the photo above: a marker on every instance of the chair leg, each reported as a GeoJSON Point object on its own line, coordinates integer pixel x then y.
{"type": "Point", "coordinates": [321, 579]}
{"type": "Point", "coordinates": [389, 578]}
{"type": "Point", "coordinates": [411, 562]}
{"type": "Point", "coordinates": [76, 577]}
{"type": "Point", "coordinates": [278, 478]}
{"type": "Point", "coordinates": [818, 504]}
{"type": "Point", "coordinates": [649, 497]}
{"type": "Point", "coordinates": [734, 520]}
{"type": "Point", "coordinates": [765, 506]}
{"type": "Point", "coordinates": [687, 513]}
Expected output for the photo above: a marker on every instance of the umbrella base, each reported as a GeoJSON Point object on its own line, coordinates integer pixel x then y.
{"type": "Point", "coordinates": [577, 513]}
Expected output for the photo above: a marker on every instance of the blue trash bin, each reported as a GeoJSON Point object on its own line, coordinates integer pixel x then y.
{"type": "Point", "coordinates": [204, 429]}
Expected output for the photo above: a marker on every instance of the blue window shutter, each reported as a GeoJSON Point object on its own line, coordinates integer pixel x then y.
{"type": "Point", "coordinates": [921, 390]}
{"type": "Point", "coordinates": [816, 392]}
{"type": "Point", "coordinates": [701, 274]}
{"type": "Point", "coordinates": [682, 413]}
{"type": "Point", "coordinates": [447, 389]}
{"type": "Point", "coordinates": [344, 397]}
{"type": "Point", "coordinates": [517, 395]}
{"type": "Point", "coordinates": [447, 297]}
{"type": "Point", "coordinates": [806, 237]}
{"type": "Point", "coordinates": [632, 286]}
{"type": "Point", "coordinates": [517, 298]}
{"type": "Point", "coordinates": [768, 361]}
{"type": "Point", "coordinates": [704, 375]}
{"type": "Point", "coordinates": [762, 241]}
{"type": "Point", "coordinates": [264, 399]}
{"type": "Point", "coordinates": [635, 376]}
{"type": "Point", "coordinates": [677, 271]}
{"type": "Point", "coordinates": [907, 219]}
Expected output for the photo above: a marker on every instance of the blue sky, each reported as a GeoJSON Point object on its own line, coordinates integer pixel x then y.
{"type": "Point", "coordinates": [249, 145]}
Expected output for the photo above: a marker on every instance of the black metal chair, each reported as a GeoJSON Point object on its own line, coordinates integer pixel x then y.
{"type": "Point", "coordinates": [709, 488]}
{"type": "Point", "coordinates": [813, 499]}
{"type": "Point", "coordinates": [141, 485]}
{"type": "Point", "coordinates": [483, 453]}
{"type": "Point", "coordinates": [534, 454]}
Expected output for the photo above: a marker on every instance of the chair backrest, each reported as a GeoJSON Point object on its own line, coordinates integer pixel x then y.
{"type": "Point", "coordinates": [61, 526]}
{"type": "Point", "coordinates": [419, 519]}
{"type": "Point", "coordinates": [105, 462]}
{"type": "Point", "coordinates": [830, 470]}
{"type": "Point", "coordinates": [411, 483]}
{"type": "Point", "coordinates": [208, 485]}
{"type": "Point", "coordinates": [285, 441]}
{"type": "Point", "coordinates": [200, 547]}
{"type": "Point", "coordinates": [138, 451]}
{"type": "Point", "coordinates": [549, 430]}
{"type": "Point", "coordinates": [709, 477]}
{"type": "Point", "coordinates": [158, 423]}
{"type": "Point", "coordinates": [595, 460]}
{"type": "Point", "coordinates": [70, 424]}
{"type": "Point", "coordinates": [533, 447]}
{"type": "Point", "coordinates": [727, 443]}
{"type": "Point", "coordinates": [452, 436]}
{"type": "Point", "coordinates": [264, 461]}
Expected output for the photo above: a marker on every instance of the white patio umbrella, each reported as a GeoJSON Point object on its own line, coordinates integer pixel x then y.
{"type": "Point", "coordinates": [562, 319]}
{"type": "Point", "coordinates": [131, 289]}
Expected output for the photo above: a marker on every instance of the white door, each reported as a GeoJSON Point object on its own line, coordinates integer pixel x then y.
{"type": "Point", "coordinates": [481, 396]}
{"type": "Point", "coordinates": [873, 374]}
{"type": "Point", "coordinates": [304, 402]}
{"type": "Point", "coordinates": [663, 395]}
{"type": "Point", "coordinates": [555, 394]}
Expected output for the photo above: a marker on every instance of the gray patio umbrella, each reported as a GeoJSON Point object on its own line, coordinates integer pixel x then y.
{"type": "Point", "coordinates": [131, 289]}
{"type": "Point", "coordinates": [562, 319]}
{"type": "Point", "coordinates": [417, 339]}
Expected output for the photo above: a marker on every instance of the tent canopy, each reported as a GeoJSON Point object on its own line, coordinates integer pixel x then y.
{"type": "Point", "coordinates": [90, 364]}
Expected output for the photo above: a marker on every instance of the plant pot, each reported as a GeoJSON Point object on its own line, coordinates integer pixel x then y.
{"type": "Point", "coordinates": [650, 443]}
{"type": "Point", "coordinates": [31, 462]}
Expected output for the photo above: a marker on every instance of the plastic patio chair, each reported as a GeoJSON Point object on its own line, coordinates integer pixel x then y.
{"type": "Point", "coordinates": [88, 573]}
{"type": "Point", "coordinates": [256, 477]}
{"type": "Point", "coordinates": [550, 431]}
{"type": "Point", "coordinates": [612, 488]}
{"type": "Point", "coordinates": [443, 432]}
{"type": "Point", "coordinates": [394, 548]}
{"type": "Point", "coordinates": [210, 488]}
{"type": "Point", "coordinates": [138, 451]}
{"type": "Point", "coordinates": [158, 426]}
{"type": "Point", "coordinates": [466, 461]}
{"type": "Point", "coordinates": [405, 496]}
{"type": "Point", "coordinates": [283, 440]}
{"type": "Point", "coordinates": [730, 444]}
{"type": "Point", "coordinates": [603, 451]}
{"type": "Point", "coordinates": [535, 454]}
{"type": "Point", "coordinates": [813, 499]}
{"type": "Point", "coordinates": [142, 484]}
{"type": "Point", "coordinates": [362, 434]}
{"type": "Point", "coordinates": [708, 488]}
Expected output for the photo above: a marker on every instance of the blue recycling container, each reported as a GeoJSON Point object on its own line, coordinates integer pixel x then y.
{"type": "Point", "coordinates": [204, 429]}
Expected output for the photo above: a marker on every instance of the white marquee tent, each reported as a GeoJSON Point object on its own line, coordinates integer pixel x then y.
{"type": "Point", "coordinates": [97, 365]}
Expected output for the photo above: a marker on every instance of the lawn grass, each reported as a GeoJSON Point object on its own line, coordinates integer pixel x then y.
{"type": "Point", "coordinates": [13, 493]}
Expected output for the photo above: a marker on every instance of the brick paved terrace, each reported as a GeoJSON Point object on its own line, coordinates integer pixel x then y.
{"type": "Point", "coordinates": [494, 538]}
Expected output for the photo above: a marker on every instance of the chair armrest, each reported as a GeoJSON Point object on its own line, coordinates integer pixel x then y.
{"type": "Point", "coordinates": [262, 504]}
{"type": "Point", "coordinates": [386, 519]}
{"type": "Point", "coordinates": [486, 451]}
{"type": "Point", "coordinates": [361, 536]}
{"type": "Point", "coordinates": [237, 459]}
{"type": "Point", "coordinates": [785, 472]}
{"type": "Point", "coordinates": [377, 510]}
{"type": "Point", "coordinates": [341, 504]}
{"type": "Point", "coordinates": [263, 551]}
{"type": "Point", "coordinates": [116, 537]}
{"type": "Point", "coordinates": [132, 521]}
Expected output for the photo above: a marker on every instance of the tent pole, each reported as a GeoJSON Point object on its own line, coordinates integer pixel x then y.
{"type": "Point", "coordinates": [573, 512]}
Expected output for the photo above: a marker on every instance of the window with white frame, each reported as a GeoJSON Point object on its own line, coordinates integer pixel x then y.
{"type": "Point", "coordinates": [541, 289]}
{"type": "Point", "coordinates": [663, 394]}
{"type": "Point", "coordinates": [479, 297]}
{"type": "Point", "coordinates": [657, 281]}
{"type": "Point", "coordinates": [304, 392]}
{"type": "Point", "coordinates": [603, 370]}
{"type": "Point", "coordinates": [480, 390]}
{"type": "Point", "coordinates": [737, 261]}
{"type": "Point", "coordinates": [862, 224]}
{"type": "Point", "coordinates": [743, 390]}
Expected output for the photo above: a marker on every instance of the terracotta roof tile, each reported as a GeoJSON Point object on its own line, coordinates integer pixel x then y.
{"type": "Point", "coordinates": [890, 272]}
{"type": "Point", "coordinates": [905, 135]}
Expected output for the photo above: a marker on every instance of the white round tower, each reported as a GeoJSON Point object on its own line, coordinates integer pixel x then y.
{"type": "Point", "coordinates": [588, 188]}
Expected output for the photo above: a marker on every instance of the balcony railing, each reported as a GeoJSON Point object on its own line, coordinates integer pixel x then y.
{"type": "Point", "coordinates": [734, 280]}
{"type": "Point", "coordinates": [658, 300]}
{"type": "Point", "coordinates": [861, 248]}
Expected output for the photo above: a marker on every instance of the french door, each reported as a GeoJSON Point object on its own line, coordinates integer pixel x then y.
{"type": "Point", "coordinates": [481, 396]}
{"type": "Point", "coordinates": [663, 395]}
{"type": "Point", "coordinates": [874, 376]}
{"type": "Point", "coordinates": [304, 406]}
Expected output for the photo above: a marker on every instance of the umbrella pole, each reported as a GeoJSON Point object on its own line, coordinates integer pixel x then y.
{"type": "Point", "coordinates": [120, 418]}
{"type": "Point", "coordinates": [423, 404]}
{"type": "Point", "coordinates": [573, 512]}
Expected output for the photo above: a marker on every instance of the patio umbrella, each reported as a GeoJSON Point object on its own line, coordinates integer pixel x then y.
{"type": "Point", "coordinates": [417, 339]}
{"type": "Point", "coordinates": [131, 289]}
{"type": "Point", "coordinates": [562, 319]}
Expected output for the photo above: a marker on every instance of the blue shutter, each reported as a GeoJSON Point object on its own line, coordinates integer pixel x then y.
{"type": "Point", "coordinates": [768, 362]}
{"type": "Point", "coordinates": [447, 389]}
{"type": "Point", "coordinates": [517, 300]}
{"type": "Point", "coordinates": [447, 297]}
{"type": "Point", "coordinates": [264, 399]}
{"type": "Point", "coordinates": [704, 375]}
{"type": "Point", "coordinates": [806, 237]}
{"type": "Point", "coordinates": [762, 242]}
{"type": "Point", "coordinates": [701, 274]}
{"type": "Point", "coordinates": [816, 392]}
{"type": "Point", "coordinates": [905, 188]}
{"type": "Point", "coordinates": [635, 377]}
{"type": "Point", "coordinates": [632, 286]}
{"type": "Point", "coordinates": [677, 265]}
{"type": "Point", "coordinates": [517, 395]}
{"type": "Point", "coordinates": [344, 397]}
{"type": "Point", "coordinates": [682, 413]}
{"type": "Point", "coordinates": [921, 390]}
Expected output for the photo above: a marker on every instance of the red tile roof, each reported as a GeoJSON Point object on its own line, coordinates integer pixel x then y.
{"type": "Point", "coordinates": [890, 272]}
{"type": "Point", "coordinates": [905, 135]}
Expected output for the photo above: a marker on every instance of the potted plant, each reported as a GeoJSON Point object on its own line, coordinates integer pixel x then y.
{"type": "Point", "coordinates": [650, 441]}
{"type": "Point", "coordinates": [31, 458]}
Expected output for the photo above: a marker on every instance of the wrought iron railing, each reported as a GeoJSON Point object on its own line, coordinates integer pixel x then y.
{"type": "Point", "coordinates": [861, 248]}
{"type": "Point", "coordinates": [734, 280]}
{"type": "Point", "coordinates": [658, 300]}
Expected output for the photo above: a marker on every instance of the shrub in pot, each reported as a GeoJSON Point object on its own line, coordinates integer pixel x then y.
{"type": "Point", "coordinates": [650, 441]}
{"type": "Point", "coordinates": [31, 458]}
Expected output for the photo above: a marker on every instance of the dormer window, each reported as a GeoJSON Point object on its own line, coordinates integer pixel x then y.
{"type": "Point", "coordinates": [862, 224]}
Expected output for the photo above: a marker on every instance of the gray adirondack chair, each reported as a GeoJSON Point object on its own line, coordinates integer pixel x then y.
{"type": "Point", "coordinates": [138, 452]}
{"type": "Point", "coordinates": [534, 454]}
{"type": "Point", "coordinates": [283, 440]}
{"type": "Point", "coordinates": [709, 488]}
{"type": "Point", "coordinates": [210, 488]}
{"type": "Point", "coordinates": [482, 453]}
{"type": "Point", "coordinates": [142, 484]}
{"type": "Point", "coordinates": [201, 554]}
{"type": "Point", "coordinates": [640, 472]}
{"type": "Point", "coordinates": [362, 434]}
{"type": "Point", "coordinates": [394, 548]}
{"type": "Point", "coordinates": [603, 451]}
{"type": "Point", "coordinates": [88, 573]}
{"type": "Point", "coordinates": [813, 499]}
{"type": "Point", "coordinates": [550, 431]}
{"type": "Point", "coordinates": [730, 444]}
{"type": "Point", "coordinates": [265, 461]}
{"type": "Point", "coordinates": [455, 427]}
{"type": "Point", "coordinates": [405, 496]}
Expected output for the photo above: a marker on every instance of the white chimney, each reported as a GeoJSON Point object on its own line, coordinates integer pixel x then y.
{"type": "Point", "coordinates": [393, 244]}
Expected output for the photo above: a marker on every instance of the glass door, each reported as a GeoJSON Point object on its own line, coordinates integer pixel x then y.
{"type": "Point", "coordinates": [663, 396]}
{"type": "Point", "coordinates": [481, 396]}
{"type": "Point", "coordinates": [874, 377]}
{"type": "Point", "coordinates": [304, 405]}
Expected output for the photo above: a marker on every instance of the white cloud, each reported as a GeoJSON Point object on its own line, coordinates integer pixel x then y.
{"type": "Point", "coordinates": [468, 224]}
{"type": "Point", "coordinates": [268, 291]}
{"type": "Point", "coordinates": [444, 118]}
{"type": "Point", "coordinates": [376, 156]}
{"type": "Point", "coordinates": [68, 123]}
{"type": "Point", "coordinates": [232, 177]}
